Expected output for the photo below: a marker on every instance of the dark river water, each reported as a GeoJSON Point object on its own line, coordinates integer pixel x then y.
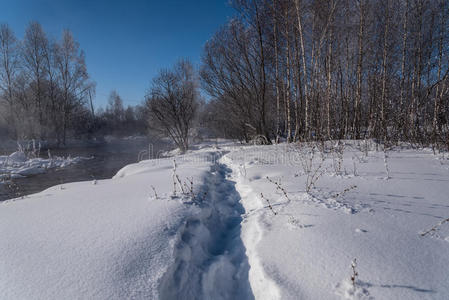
{"type": "Point", "coordinates": [106, 160]}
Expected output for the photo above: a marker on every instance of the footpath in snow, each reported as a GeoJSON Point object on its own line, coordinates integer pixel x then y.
{"type": "Point", "coordinates": [245, 222]}
{"type": "Point", "coordinates": [210, 259]}
{"type": "Point", "coordinates": [388, 210]}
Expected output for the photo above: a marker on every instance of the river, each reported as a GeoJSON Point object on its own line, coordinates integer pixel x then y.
{"type": "Point", "coordinates": [106, 160]}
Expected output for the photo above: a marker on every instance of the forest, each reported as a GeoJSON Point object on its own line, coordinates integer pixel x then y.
{"type": "Point", "coordinates": [280, 70]}
{"type": "Point", "coordinates": [319, 70]}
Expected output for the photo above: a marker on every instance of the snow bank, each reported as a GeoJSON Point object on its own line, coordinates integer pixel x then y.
{"type": "Point", "coordinates": [108, 239]}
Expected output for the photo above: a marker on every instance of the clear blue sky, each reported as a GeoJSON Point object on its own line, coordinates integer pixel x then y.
{"type": "Point", "coordinates": [126, 42]}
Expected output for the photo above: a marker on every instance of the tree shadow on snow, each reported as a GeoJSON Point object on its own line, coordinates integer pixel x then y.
{"type": "Point", "coordinates": [396, 286]}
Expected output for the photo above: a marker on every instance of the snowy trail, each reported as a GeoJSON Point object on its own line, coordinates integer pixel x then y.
{"type": "Point", "coordinates": [210, 260]}
{"type": "Point", "coordinates": [262, 285]}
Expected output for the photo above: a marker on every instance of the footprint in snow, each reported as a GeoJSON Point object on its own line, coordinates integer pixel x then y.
{"type": "Point", "coordinates": [254, 178]}
{"type": "Point", "coordinates": [346, 290]}
{"type": "Point", "coordinates": [294, 223]}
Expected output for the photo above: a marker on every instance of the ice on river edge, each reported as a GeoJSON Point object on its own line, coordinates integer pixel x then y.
{"type": "Point", "coordinates": [18, 164]}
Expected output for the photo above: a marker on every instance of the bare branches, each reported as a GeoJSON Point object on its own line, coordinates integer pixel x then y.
{"type": "Point", "coordinates": [155, 193]}
{"type": "Point", "coordinates": [435, 228]}
{"type": "Point", "coordinates": [269, 204]}
{"type": "Point", "coordinates": [352, 69]}
{"type": "Point", "coordinates": [173, 102]}
{"type": "Point", "coordinates": [186, 188]}
{"type": "Point", "coordinates": [345, 191]}
{"type": "Point", "coordinates": [279, 187]}
{"type": "Point", "coordinates": [43, 85]}
{"type": "Point", "coordinates": [312, 169]}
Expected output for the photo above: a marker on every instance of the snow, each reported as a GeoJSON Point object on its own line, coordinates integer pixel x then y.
{"type": "Point", "coordinates": [218, 238]}
{"type": "Point", "coordinates": [18, 164]}
{"type": "Point", "coordinates": [108, 240]}
{"type": "Point", "coordinates": [210, 260]}
{"type": "Point", "coordinates": [307, 248]}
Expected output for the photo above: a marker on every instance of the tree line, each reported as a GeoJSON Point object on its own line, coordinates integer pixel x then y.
{"type": "Point", "coordinates": [44, 85]}
{"type": "Point", "coordinates": [331, 69]}
{"type": "Point", "coordinates": [46, 92]}
{"type": "Point", "coordinates": [294, 70]}
{"type": "Point", "coordinates": [117, 120]}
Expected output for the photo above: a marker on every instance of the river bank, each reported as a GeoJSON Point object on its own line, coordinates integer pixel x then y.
{"type": "Point", "coordinates": [102, 161]}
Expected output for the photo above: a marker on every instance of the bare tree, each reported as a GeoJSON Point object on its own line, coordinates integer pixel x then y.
{"type": "Point", "coordinates": [8, 70]}
{"type": "Point", "coordinates": [276, 67]}
{"type": "Point", "coordinates": [34, 48]}
{"type": "Point", "coordinates": [72, 74]}
{"type": "Point", "coordinates": [304, 67]}
{"type": "Point", "coordinates": [231, 72]}
{"type": "Point", "coordinates": [172, 103]}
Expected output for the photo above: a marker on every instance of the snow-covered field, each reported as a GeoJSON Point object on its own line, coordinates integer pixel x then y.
{"type": "Point", "coordinates": [18, 164]}
{"type": "Point", "coordinates": [305, 250]}
{"type": "Point", "coordinates": [246, 222]}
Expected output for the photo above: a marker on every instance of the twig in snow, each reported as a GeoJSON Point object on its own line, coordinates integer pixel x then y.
{"type": "Point", "coordinates": [279, 187]}
{"type": "Point", "coordinates": [354, 272]}
{"type": "Point", "coordinates": [312, 178]}
{"type": "Point", "coordinates": [435, 228]}
{"type": "Point", "coordinates": [181, 185]}
{"type": "Point", "coordinates": [346, 190]}
{"type": "Point", "coordinates": [269, 204]}
{"type": "Point", "coordinates": [155, 193]}
{"type": "Point", "coordinates": [174, 177]}
{"type": "Point", "coordinates": [312, 171]}
{"type": "Point", "coordinates": [177, 180]}
{"type": "Point", "coordinates": [191, 187]}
